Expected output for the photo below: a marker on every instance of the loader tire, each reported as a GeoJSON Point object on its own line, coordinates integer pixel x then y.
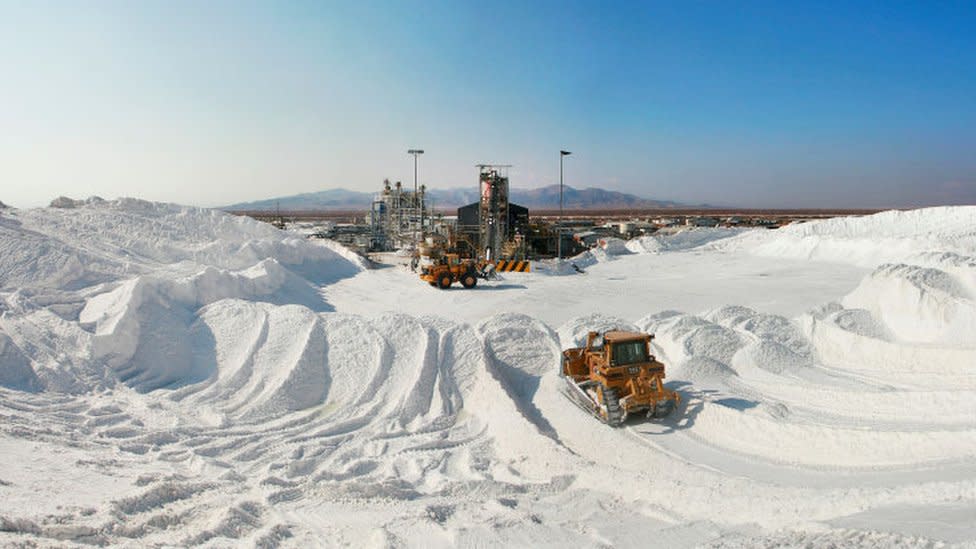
{"type": "Point", "coordinates": [469, 280]}
{"type": "Point", "coordinates": [615, 414]}
{"type": "Point", "coordinates": [444, 282]}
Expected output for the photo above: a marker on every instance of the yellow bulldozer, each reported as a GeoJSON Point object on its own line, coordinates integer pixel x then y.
{"type": "Point", "coordinates": [615, 376]}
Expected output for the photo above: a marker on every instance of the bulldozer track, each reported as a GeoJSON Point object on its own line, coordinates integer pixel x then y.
{"type": "Point", "coordinates": [615, 414]}
{"type": "Point", "coordinates": [611, 413]}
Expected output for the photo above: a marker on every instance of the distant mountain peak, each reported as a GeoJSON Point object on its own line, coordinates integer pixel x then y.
{"type": "Point", "coordinates": [590, 198]}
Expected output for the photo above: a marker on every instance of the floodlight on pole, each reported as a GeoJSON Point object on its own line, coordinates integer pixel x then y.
{"type": "Point", "coordinates": [559, 232]}
{"type": "Point", "coordinates": [415, 153]}
{"type": "Point", "coordinates": [416, 197]}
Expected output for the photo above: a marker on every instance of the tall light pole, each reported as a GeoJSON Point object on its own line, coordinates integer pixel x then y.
{"type": "Point", "coordinates": [559, 233]}
{"type": "Point", "coordinates": [416, 197]}
{"type": "Point", "coordinates": [415, 153]}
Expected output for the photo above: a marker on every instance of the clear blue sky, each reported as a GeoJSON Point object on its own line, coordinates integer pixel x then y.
{"type": "Point", "coordinates": [815, 104]}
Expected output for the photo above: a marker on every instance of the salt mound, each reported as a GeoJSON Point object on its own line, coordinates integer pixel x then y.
{"type": "Point", "coordinates": [887, 237]}
{"type": "Point", "coordinates": [141, 326]}
{"type": "Point", "coordinates": [947, 224]}
{"type": "Point", "coordinates": [289, 369]}
{"type": "Point", "coordinates": [100, 241]}
{"type": "Point", "coordinates": [32, 259]}
{"type": "Point", "coordinates": [856, 338]}
{"type": "Point", "coordinates": [613, 246]}
{"type": "Point", "coordinates": [609, 249]}
{"type": "Point", "coordinates": [946, 260]}
{"type": "Point", "coordinates": [262, 361]}
{"type": "Point", "coordinates": [774, 357]}
{"type": "Point", "coordinates": [120, 283]}
{"type": "Point", "coordinates": [573, 333]}
{"type": "Point", "coordinates": [856, 321]}
{"type": "Point", "coordinates": [510, 331]}
{"type": "Point", "coordinates": [765, 327]}
{"type": "Point", "coordinates": [520, 350]}
{"type": "Point", "coordinates": [714, 345]}
{"type": "Point", "coordinates": [701, 369]}
{"type": "Point", "coordinates": [652, 321]}
{"type": "Point", "coordinates": [256, 360]}
{"type": "Point", "coordinates": [682, 239]}
{"type": "Point", "coordinates": [918, 304]}
{"type": "Point", "coordinates": [683, 336]}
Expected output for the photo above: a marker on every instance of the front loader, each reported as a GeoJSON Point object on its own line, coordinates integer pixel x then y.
{"type": "Point", "coordinates": [450, 268]}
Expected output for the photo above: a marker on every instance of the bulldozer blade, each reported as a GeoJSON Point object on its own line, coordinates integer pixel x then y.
{"type": "Point", "coordinates": [581, 398]}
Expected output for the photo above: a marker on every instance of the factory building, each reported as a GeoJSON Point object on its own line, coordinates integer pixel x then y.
{"type": "Point", "coordinates": [490, 229]}
{"type": "Point", "coordinates": [468, 224]}
{"type": "Point", "coordinates": [493, 228]}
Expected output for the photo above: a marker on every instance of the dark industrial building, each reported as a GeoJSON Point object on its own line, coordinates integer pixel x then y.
{"type": "Point", "coordinates": [469, 224]}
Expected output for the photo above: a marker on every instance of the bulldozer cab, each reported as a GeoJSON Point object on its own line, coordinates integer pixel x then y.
{"type": "Point", "coordinates": [627, 348]}
{"type": "Point", "coordinates": [621, 348]}
{"type": "Point", "coordinates": [623, 353]}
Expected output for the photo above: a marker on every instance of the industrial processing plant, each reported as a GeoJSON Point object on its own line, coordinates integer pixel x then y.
{"type": "Point", "coordinates": [491, 229]}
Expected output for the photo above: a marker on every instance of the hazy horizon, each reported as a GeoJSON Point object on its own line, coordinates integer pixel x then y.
{"type": "Point", "coordinates": [760, 104]}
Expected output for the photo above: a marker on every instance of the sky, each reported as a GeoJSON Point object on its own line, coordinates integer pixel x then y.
{"type": "Point", "coordinates": [751, 104]}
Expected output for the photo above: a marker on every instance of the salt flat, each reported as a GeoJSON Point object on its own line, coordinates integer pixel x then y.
{"type": "Point", "coordinates": [177, 376]}
{"type": "Point", "coordinates": [628, 286]}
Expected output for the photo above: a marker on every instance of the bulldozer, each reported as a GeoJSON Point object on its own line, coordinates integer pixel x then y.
{"type": "Point", "coordinates": [615, 376]}
{"type": "Point", "coordinates": [450, 268]}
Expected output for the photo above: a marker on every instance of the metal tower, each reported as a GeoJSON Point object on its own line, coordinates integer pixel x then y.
{"type": "Point", "coordinates": [493, 210]}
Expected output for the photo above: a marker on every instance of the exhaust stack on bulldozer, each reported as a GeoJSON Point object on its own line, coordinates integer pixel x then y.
{"type": "Point", "coordinates": [615, 376]}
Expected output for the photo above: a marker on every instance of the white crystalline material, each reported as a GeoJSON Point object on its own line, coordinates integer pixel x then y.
{"type": "Point", "coordinates": [216, 396]}
{"type": "Point", "coordinates": [104, 241]}
{"type": "Point", "coordinates": [839, 342]}
{"type": "Point", "coordinates": [135, 273]}
{"type": "Point", "coordinates": [574, 333]}
{"type": "Point", "coordinates": [684, 239]}
{"type": "Point", "coordinates": [283, 367]}
{"type": "Point", "coordinates": [887, 237]}
{"type": "Point", "coordinates": [950, 225]}
{"type": "Point", "coordinates": [608, 249]}
{"type": "Point", "coordinates": [918, 304]}
{"type": "Point", "coordinates": [686, 336]}
{"type": "Point", "coordinates": [141, 327]}
{"type": "Point", "coordinates": [613, 246]}
{"type": "Point", "coordinates": [814, 445]}
{"type": "Point", "coordinates": [33, 259]}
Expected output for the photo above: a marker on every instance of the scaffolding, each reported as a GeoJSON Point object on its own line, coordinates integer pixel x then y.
{"type": "Point", "coordinates": [398, 218]}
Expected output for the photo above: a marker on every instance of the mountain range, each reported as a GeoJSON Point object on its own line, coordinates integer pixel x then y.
{"type": "Point", "coordinates": [541, 198]}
